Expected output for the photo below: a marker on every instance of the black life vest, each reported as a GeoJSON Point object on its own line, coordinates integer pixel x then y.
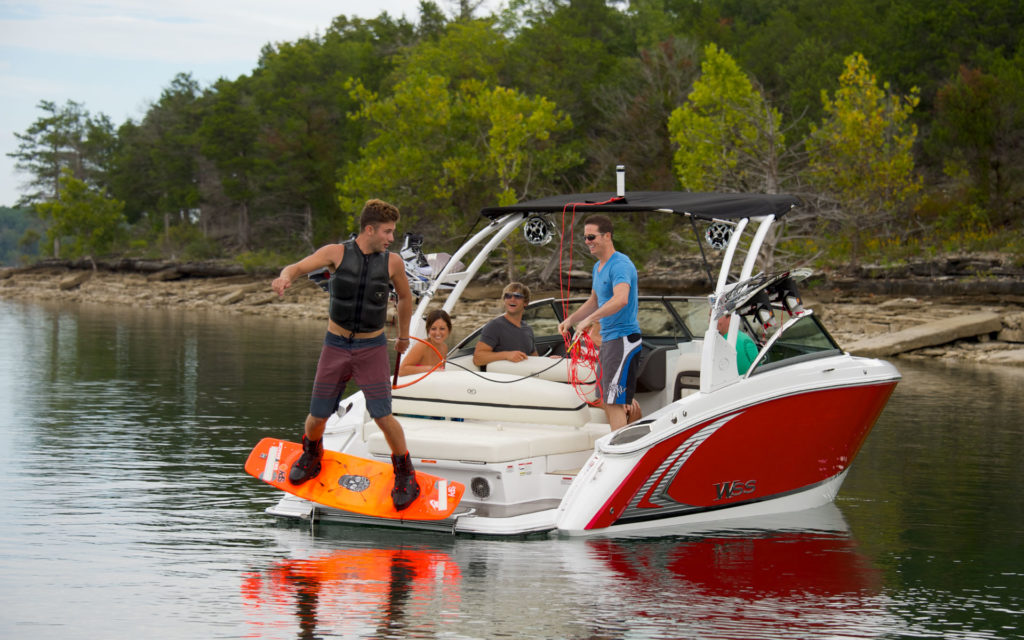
{"type": "Point", "coordinates": [360, 289]}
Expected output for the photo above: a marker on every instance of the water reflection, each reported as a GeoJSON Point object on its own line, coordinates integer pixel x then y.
{"type": "Point", "coordinates": [341, 592]}
{"type": "Point", "coordinates": [751, 584]}
{"type": "Point", "coordinates": [792, 576]}
{"type": "Point", "coordinates": [805, 579]}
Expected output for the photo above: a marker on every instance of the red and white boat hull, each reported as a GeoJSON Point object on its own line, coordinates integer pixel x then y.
{"type": "Point", "coordinates": [794, 448]}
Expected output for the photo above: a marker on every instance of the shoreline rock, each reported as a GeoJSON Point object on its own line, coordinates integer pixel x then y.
{"type": "Point", "coordinates": [857, 317]}
{"type": "Point", "coordinates": [929, 334]}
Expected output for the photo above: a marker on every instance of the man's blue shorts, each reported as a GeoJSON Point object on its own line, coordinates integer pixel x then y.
{"type": "Point", "coordinates": [620, 358]}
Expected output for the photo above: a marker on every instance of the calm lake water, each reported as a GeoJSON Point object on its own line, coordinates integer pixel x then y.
{"type": "Point", "coordinates": [126, 513]}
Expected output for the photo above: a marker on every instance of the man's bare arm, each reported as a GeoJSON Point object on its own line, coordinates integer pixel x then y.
{"type": "Point", "coordinates": [327, 256]}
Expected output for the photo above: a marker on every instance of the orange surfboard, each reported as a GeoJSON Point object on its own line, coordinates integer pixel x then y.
{"type": "Point", "coordinates": [352, 484]}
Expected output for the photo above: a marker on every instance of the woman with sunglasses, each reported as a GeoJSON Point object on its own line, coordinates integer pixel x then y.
{"type": "Point", "coordinates": [507, 337]}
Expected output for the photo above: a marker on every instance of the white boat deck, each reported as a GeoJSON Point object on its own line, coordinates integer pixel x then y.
{"type": "Point", "coordinates": [487, 441]}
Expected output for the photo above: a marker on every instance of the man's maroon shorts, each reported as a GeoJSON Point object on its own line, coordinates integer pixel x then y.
{"type": "Point", "coordinates": [342, 359]}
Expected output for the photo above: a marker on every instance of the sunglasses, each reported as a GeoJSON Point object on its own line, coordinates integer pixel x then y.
{"type": "Point", "coordinates": [517, 296]}
{"type": "Point", "coordinates": [590, 237]}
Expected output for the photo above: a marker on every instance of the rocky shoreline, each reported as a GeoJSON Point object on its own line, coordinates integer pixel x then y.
{"type": "Point", "coordinates": [863, 311]}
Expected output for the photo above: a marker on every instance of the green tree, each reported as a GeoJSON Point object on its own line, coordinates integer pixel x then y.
{"type": "Point", "coordinates": [568, 51]}
{"type": "Point", "coordinates": [402, 162]}
{"type": "Point", "coordinates": [65, 137]}
{"type": "Point", "coordinates": [20, 232]}
{"type": "Point", "coordinates": [92, 220]}
{"type": "Point", "coordinates": [133, 179]}
{"type": "Point", "coordinates": [922, 43]}
{"type": "Point", "coordinates": [862, 152]}
{"type": "Point", "coordinates": [449, 151]}
{"type": "Point", "coordinates": [175, 122]}
{"type": "Point", "coordinates": [514, 133]}
{"type": "Point", "coordinates": [979, 131]}
{"type": "Point", "coordinates": [447, 140]}
{"type": "Point", "coordinates": [228, 136]}
{"type": "Point", "coordinates": [796, 48]}
{"type": "Point", "coordinates": [471, 50]}
{"type": "Point", "coordinates": [634, 114]}
{"type": "Point", "coordinates": [651, 22]}
{"type": "Point", "coordinates": [158, 161]}
{"type": "Point", "coordinates": [432, 21]}
{"type": "Point", "coordinates": [727, 136]}
{"type": "Point", "coordinates": [305, 132]}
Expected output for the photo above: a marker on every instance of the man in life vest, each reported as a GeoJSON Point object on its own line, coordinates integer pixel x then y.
{"type": "Point", "coordinates": [355, 345]}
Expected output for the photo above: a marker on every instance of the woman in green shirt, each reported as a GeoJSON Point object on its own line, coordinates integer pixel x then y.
{"type": "Point", "coordinates": [746, 349]}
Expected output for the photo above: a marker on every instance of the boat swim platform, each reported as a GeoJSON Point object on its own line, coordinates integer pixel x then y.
{"type": "Point", "coordinates": [539, 513]}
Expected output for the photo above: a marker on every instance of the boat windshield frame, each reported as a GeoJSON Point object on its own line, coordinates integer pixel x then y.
{"type": "Point", "coordinates": [796, 347]}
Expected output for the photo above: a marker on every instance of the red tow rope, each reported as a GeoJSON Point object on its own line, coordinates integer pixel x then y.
{"type": "Point", "coordinates": [441, 360]}
{"type": "Point", "coordinates": [584, 367]}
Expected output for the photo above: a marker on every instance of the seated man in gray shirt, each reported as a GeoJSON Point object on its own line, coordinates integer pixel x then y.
{"type": "Point", "coordinates": [507, 337]}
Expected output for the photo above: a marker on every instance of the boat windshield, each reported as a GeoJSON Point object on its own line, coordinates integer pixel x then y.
{"type": "Point", "coordinates": [803, 339]}
{"type": "Point", "coordinates": [543, 317]}
{"type": "Point", "coordinates": [664, 321]}
{"type": "Point", "coordinates": [693, 313]}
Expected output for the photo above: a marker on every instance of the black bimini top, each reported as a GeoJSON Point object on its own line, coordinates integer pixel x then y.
{"type": "Point", "coordinates": [705, 206]}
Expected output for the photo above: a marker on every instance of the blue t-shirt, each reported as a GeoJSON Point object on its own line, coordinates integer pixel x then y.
{"type": "Point", "coordinates": [618, 269]}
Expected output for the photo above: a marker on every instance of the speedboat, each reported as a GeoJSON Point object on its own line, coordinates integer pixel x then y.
{"type": "Point", "coordinates": [537, 455]}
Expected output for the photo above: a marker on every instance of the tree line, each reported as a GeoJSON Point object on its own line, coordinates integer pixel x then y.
{"type": "Point", "coordinates": [898, 122]}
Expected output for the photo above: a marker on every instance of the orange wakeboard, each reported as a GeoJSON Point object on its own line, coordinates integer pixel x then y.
{"type": "Point", "coordinates": [352, 484]}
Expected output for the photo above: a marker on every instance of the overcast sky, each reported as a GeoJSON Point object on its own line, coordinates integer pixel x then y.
{"type": "Point", "coordinates": [116, 56]}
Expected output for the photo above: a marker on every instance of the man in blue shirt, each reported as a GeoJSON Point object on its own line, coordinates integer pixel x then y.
{"type": "Point", "coordinates": [613, 304]}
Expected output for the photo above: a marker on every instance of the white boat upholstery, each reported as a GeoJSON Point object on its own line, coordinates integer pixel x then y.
{"type": "Point", "coordinates": [554, 369]}
{"type": "Point", "coordinates": [486, 441]}
{"type": "Point", "coordinates": [687, 369]}
{"type": "Point", "coordinates": [490, 396]}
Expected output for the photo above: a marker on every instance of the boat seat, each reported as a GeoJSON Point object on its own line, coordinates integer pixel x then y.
{"type": "Point", "coordinates": [651, 374]}
{"type": "Point", "coordinates": [485, 441]}
{"type": "Point", "coordinates": [687, 370]}
{"type": "Point", "coordinates": [554, 369]}
{"type": "Point", "coordinates": [456, 394]}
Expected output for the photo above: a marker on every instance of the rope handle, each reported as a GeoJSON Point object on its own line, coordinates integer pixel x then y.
{"type": "Point", "coordinates": [582, 355]}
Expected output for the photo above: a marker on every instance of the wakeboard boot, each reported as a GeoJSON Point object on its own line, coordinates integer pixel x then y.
{"type": "Point", "coordinates": [406, 490]}
{"type": "Point", "coordinates": [308, 464]}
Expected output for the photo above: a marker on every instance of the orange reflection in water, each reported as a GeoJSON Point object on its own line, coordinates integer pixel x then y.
{"type": "Point", "coordinates": [351, 591]}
